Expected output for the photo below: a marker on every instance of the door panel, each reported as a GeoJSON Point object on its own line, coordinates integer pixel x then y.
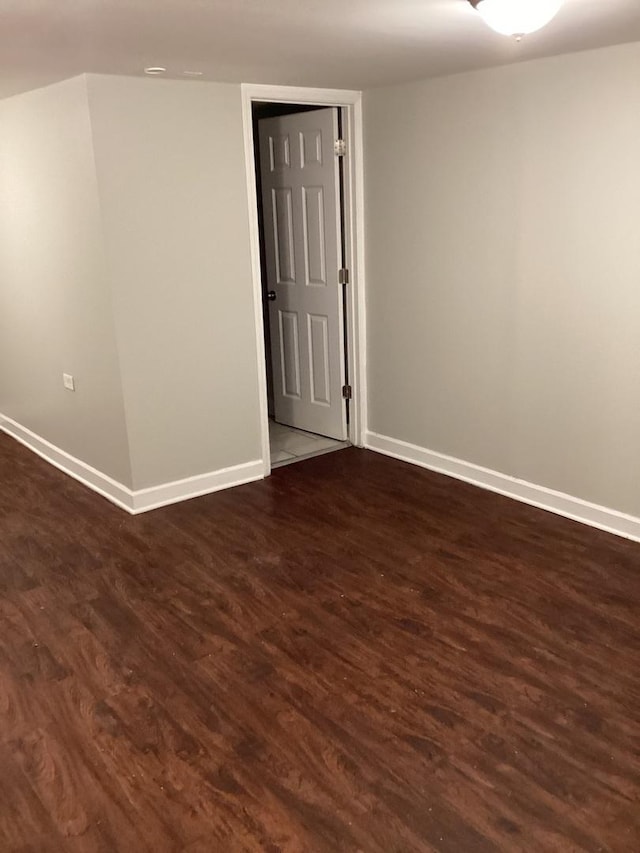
{"type": "Point", "coordinates": [314, 239]}
{"type": "Point", "coordinates": [283, 235]}
{"type": "Point", "coordinates": [301, 205]}
{"type": "Point", "coordinates": [289, 354]}
{"type": "Point", "coordinates": [319, 359]}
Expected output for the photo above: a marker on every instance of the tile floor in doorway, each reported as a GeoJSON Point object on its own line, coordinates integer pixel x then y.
{"type": "Point", "coordinates": [290, 445]}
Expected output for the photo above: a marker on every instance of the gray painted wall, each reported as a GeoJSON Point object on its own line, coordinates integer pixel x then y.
{"type": "Point", "coordinates": [503, 266]}
{"type": "Point", "coordinates": [55, 305]}
{"type": "Point", "coordinates": [172, 181]}
{"type": "Point", "coordinates": [124, 260]}
{"type": "Point", "coordinates": [503, 270]}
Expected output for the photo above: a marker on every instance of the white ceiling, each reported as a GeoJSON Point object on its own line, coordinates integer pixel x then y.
{"type": "Point", "coordinates": [331, 43]}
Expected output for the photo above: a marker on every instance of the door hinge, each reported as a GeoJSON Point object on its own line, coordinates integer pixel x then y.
{"type": "Point", "coordinates": [343, 276]}
{"type": "Point", "coordinates": [340, 147]}
{"type": "Point", "coordinates": [347, 393]}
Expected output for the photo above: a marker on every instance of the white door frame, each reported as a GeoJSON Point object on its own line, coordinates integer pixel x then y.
{"type": "Point", "coordinates": [354, 238]}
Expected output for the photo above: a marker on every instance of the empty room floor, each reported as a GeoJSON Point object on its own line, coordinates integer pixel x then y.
{"type": "Point", "coordinates": [352, 655]}
{"type": "Point", "coordinates": [290, 445]}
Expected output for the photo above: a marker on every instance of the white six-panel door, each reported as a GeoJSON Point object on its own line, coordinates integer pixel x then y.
{"type": "Point", "coordinates": [301, 206]}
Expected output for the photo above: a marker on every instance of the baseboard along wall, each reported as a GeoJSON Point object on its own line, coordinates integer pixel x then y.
{"type": "Point", "coordinates": [627, 526]}
{"type": "Point", "coordinates": [133, 501]}
{"type": "Point", "coordinates": [143, 500]}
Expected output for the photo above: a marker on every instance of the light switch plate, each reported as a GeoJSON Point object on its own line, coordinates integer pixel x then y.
{"type": "Point", "coordinates": [69, 382]}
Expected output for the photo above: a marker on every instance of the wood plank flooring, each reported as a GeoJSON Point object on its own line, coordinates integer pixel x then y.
{"type": "Point", "coordinates": [354, 655]}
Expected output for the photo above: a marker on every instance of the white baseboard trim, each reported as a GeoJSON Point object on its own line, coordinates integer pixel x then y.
{"type": "Point", "coordinates": [91, 477]}
{"type": "Point", "coordinates": [195, 487]}
{"type": "Point", "coordinates": [142, 500]}
{"type": "Point", "coordinates": [568, 506]}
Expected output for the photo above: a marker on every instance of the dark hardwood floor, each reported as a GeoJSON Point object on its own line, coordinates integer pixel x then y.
{"type": "Point", "coordinates": [354, 655]}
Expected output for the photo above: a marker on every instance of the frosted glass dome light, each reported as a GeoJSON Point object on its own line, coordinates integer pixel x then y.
{"type": "Point", "coordinates": [517, 17]}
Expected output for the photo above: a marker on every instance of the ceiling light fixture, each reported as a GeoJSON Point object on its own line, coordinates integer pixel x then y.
{"type": "Point", "coordinates": [193, 73]}
{"type": "Point", "coordinates": [516, 17]}
{"type": "Point", "coordinates": [155, 69]}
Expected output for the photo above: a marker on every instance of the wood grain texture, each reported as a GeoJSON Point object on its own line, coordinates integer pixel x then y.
{"type": "Point", "coordinates": [353, 655]}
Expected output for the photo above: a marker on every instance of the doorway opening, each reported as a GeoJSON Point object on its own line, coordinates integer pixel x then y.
{"type": "Point", "coordinates": [303, 169]}
{"type": "Point", "coordinates": [299, 151]}
{"type": "Point", "coordinates": [300, 193]}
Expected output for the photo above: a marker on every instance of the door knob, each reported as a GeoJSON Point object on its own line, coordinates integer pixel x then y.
{"type": "Point", "coordinates": [271, 296]}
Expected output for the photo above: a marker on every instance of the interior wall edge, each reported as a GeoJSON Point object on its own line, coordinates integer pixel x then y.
{"type": "Point", "coordinates": [568, 506]}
